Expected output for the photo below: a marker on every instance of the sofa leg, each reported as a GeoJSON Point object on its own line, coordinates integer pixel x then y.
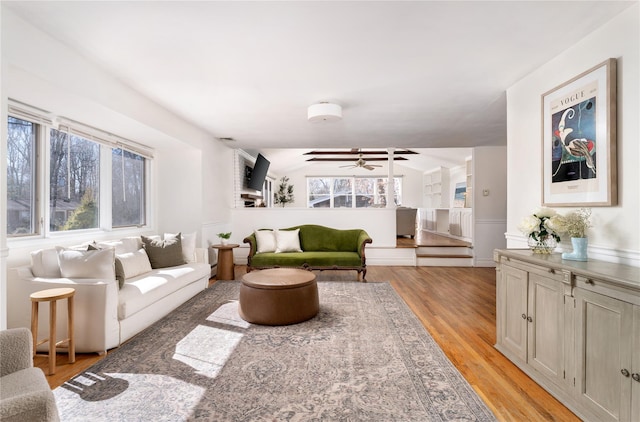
{"type": "Point", "coordinates": [364, 275]}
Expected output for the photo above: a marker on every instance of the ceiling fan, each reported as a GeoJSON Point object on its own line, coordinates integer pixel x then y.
{"type": "Point", "coordinates": [361, 162]}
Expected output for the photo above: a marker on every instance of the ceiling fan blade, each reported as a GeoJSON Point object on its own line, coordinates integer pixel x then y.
{"type": "Point", "coordinates": [347, 166]}
{"type": "Point", "coordinates": [354, 159]}
{"type": "Point", "coordinates": [356, 151]}
{"type": "Point", "coordinates": [368, 167]}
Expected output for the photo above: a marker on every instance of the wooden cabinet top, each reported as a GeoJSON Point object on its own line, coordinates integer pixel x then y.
{"type": "Point", "coordinates": [622, 275]}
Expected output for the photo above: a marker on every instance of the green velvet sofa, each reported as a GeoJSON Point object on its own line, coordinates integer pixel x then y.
{"type": "Point", "coordinates": [323, 248]}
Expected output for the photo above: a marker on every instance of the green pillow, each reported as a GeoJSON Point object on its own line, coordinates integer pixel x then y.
{"type": "Point", "coordinates": [164, 253]}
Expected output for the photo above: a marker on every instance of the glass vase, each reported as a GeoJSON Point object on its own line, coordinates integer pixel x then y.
{"type": "Point", "coordinates": [542, 245]}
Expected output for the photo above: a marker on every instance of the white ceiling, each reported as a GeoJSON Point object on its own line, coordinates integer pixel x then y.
{"type": "Point", "coordinates": [418, 74]}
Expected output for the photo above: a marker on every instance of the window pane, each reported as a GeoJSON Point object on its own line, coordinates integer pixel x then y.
{"type": "Point", "coordinates": [381, 192]}
{"type": "Point", "coordinates": [128, 188]}
{"type": "Point", "coordinates": [397, 183]}
{"type": "Point", "coordinates": [342, 193]}
{"type": "Point", "coordinates": [74, 182]}
{"type": "Point", "coordinates": [319, 189]}
{"type": "Point", "coordinates": [365, 192]}
{"type": "Point", "coordinates": [21, 177]}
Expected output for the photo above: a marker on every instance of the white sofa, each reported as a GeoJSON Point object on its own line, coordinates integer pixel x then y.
{"type": "Point", "coordinates": [105, 315]}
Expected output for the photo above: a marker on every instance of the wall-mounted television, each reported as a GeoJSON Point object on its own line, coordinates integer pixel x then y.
{"type": "Point", "coordinates": [258, 173]}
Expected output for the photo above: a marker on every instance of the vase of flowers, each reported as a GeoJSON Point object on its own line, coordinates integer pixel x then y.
{"type": "Point", "coordinates": [542, 238]}
{"type": "Point", "coordinates": [575, 224]}
{"type": "Point", "coordinates": [224, 238]}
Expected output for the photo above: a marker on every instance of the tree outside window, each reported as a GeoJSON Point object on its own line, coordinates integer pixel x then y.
{"type": "Point", "coordinates": [319, 189]}
{"type": "Point", "coordinates": [21, 177]}
{"type": "Point", "coordinates": [127, 188]}
{"type": "Point", "coordinates": [74, 179]}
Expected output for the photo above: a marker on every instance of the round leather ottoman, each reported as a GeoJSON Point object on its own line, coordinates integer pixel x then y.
{"type": "Point", "coordinates": [278, 296]}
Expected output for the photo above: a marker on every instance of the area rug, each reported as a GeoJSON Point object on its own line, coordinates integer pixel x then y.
{"type": "Point", "coordinates": [365, 356]}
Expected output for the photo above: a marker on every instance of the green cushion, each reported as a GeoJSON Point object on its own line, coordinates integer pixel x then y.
{"type": "Point", "coordinates": [320, 238]}
{"type": "Point", "coordinates": [164, 253]}
{"type": "Point", "coordinates": [313, 259]}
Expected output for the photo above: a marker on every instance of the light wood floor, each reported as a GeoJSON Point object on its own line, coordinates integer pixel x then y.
{"type": "Point", "coordinates": [426, 238]}
{"type": "Point", "coordinates": [457, 307]}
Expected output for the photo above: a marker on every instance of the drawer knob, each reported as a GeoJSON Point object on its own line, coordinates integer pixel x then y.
{"type": "Point", "coordinates": [529, 319]}
{"type": "Point", "coordinates": [524, 316]}
{"type": "Point", "coordinates": [636, 377]}
{"type": "Point", "coordinates": [624, 372]}
{"type": "Point", "coordinates": [552, 271]}
{"type": "Point", "coordinates": [589, 281]}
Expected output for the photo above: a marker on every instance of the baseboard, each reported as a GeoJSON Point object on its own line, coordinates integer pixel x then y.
{"type": "Point", "coordinates": [484, 263]}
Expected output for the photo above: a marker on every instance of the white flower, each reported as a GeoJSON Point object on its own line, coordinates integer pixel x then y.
{"type": "Point", "coordinates": [554, 223]}
{"type": "Point", "coordinates": [545, 212]}
{"type": "Point", "coordinates": [529, 224]}
{"type": "Point", "coordinates": [538, 225]}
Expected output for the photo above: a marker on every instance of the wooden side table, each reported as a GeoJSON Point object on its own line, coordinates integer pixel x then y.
{"type": "Point", "coordinates": [52, 296]}
{"type": "Point", "coordinates": [225, 261]}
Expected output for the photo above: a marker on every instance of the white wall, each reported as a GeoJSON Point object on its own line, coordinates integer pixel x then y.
{"type": "Point", "coordinates": [489, 212]}
{"type": "Point", "coordinates": [616, 232]}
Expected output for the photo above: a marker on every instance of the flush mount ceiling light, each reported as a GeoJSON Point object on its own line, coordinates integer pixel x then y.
{"type": "Point", "coordinates": [323, 112]}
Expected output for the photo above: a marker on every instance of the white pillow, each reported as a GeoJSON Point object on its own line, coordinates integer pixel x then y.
{"type": "Point", "coordinates": [87, 264]}
{"type": "Point", "coordinates": [188, 245]}
{"type": "Point", "coordinates": [125, 245]}
{"type": "Point", "coordinates": [288, 241]}
{"type": "Point", "coordinates": [44, 263]}
{"type": "Point", "coordinates": [265, 241]}
{"type": "Point", "coordinates": [134, 263]}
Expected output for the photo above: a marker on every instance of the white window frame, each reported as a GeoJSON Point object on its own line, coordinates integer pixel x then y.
{"type": "Point", "coordinates": [107, 141]}
{"type": "Point", "coordinates": [353, 188]}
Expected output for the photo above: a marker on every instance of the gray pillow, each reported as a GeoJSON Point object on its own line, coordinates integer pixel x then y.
{"type": "Point", "coordinates": [164, 253]}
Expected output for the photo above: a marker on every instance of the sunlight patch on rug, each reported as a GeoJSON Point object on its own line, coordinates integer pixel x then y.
{"type": "Point", "coordinates": [228, 314]}
{"type": "Point", "coordinates": [174, 398]}
{"type": "Point", "coordinates": [207, 349]}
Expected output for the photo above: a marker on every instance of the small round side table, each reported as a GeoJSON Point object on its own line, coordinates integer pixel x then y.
{"type": "Point", "coordinates": [52, 296]}
{"type": "Point", "coordinates": [225, 261]}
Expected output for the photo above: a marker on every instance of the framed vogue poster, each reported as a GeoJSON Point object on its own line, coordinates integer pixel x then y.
{"type": "Point", "coordinates": [579, 140]}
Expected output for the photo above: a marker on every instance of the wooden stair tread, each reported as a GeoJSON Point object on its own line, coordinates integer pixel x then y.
{"type": "Point", "coordinates": [428, 255]}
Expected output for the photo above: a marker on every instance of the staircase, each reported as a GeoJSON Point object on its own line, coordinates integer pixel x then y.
{"type": "Point", "coordinates": [444, 256]}
{"type": "Point", "coordinates": [434, 250]}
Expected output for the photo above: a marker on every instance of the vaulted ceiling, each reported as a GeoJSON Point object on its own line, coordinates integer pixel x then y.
{"type": "Point", "coordinates": [412, 74]}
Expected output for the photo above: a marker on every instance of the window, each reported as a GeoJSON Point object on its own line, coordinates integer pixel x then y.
{"type": "Point", "coordinates": [22, 213]}
{"type": "Point", "coordinates": [365, 192]}
{"type": "Point", "coordinates": [74, 182]}
{"type": "Point", "coordinates": [127, 188]}
{"type": "Point", "coordinates": [88, 170]}
{"type": "Point", "coordinates": [319, 189]}
{"type": "Point", "coordinates": [342, 194]}
{"type": "Point", "coordinates": [350, 192]}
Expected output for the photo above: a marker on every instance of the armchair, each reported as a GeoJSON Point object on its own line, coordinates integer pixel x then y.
{"type": "Point", "coordinates": [24, 391]}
